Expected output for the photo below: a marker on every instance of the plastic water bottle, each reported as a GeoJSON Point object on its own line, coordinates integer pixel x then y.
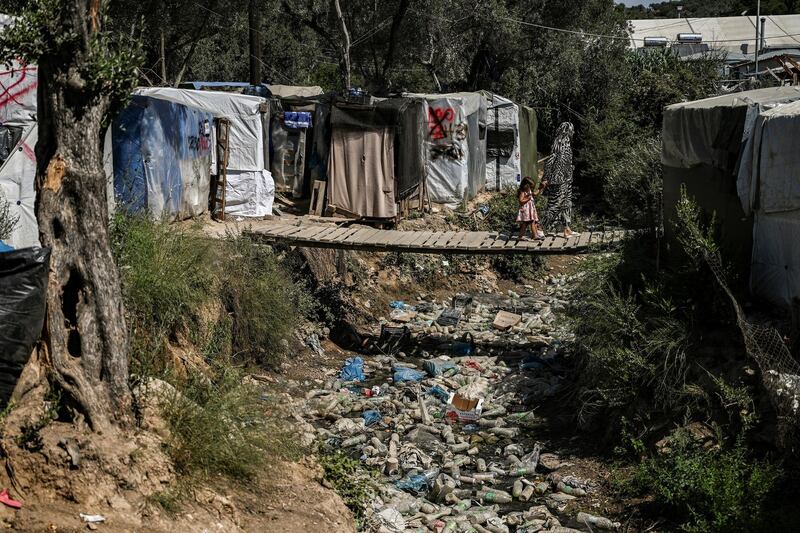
{"type": "Point", "coordinates": [493, 496]}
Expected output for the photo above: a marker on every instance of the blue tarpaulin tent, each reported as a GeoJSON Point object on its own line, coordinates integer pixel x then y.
{"type": "Point", "coordinates": [162, 158]}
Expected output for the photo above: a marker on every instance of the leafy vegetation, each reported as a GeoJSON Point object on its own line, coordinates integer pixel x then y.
{"type": "Point", "coordinates": [234, 302]}
{"type": "Point", "coordinates": [622, 149]}
{"type": "Point", "coordinates": [264, 301]}
{"type": "Point", "coordinates": [711, 8]}
{"type": "Point", "coordinates": [346, 476]}
{"type": "Point", "coordinates": [220, 425]}
{"type": "Point", "coordinates": [167, 275]}
{"type": "Point", "coordinates": [709, 490]}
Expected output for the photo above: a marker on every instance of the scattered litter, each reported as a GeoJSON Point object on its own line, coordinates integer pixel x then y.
{"type": "Point", "coordinates": [371, 417]}
{"type": "Point", "coordinates": [312, 341]}
{"type": "Point", "coordinates": [93, 518]}
{"type": "Point", "coordinates": [437, 367]}
{"type": "Point", "coordinates": [353, 370]}
{"type": "Point", "coordinates": [401, 375]}
{"type": "Point", "coordinates": [444, 426]}
{"type": "Point", "coordinates": [401, 316]}
{"type": "Point", "coordinates": [449, 317]}
{"type": "Point", "coordinates": [72, 449]}
{"type": "Point", "coordinates": [463, 409]}
{"type": "Point", "coordinates": [504, 320]}
{"type": "Point", "coordinates": [7, 500]}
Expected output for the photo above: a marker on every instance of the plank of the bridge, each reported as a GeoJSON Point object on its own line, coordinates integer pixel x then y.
{"type": "Point", "coordinates": [282, 230]}
{"type": "Point", "coordinates": [341, 239]}
{"type": "Point", "coordinates": [357, 238]}
{"type": "Point", "coordinates": [443, 239]}
{"type": "Point", "coordinates": [547, 242]}
{"type": "Point", "coordinates": [383, 239]}
{"type": "Point", "coordinates": [322, 236]}
{"type": "Point", "coordinates": [583, 240]}
{"type": "Point", "coordinates": [307, 233]}
{"type": "Point", "coordinates": [559, 241]}
{"type": "Point", "coordinates": [532, 244]}
{"type": "Point", "coordinates": [473, 240]}
{"type": "Point", "coordinates": [597, 238]}
{"type": "Point", "coordinates": [376, 238]}
{"type": "Point", "coordinates": [419, 238]}
{"type": "Point", "coordinates": [458, 238]}
{"type": "Point", "coordinates": [489, 240]}
{"type": "Point", "coordinates": [407, 238]}
{"type": "Point", "coordinates": [431, 241]}
{"type": "Point", "coordinates": [571, 242]}
{"type": "Point", "coordinates": [501, 241]}
{"type": "Point", "coordinates": [334, 235]}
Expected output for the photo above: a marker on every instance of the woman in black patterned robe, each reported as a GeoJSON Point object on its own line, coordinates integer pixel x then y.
{"type": "Point", "coordinates": [558, 175]}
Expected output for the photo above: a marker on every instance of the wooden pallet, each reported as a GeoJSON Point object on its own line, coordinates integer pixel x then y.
{"type": "Point", "coordinates": [361, 237]}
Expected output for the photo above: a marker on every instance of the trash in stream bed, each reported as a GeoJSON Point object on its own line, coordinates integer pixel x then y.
{"type": "Point", "coordinates": [353, 370]}
{"type": "Point", "coordinates": [454, 445]}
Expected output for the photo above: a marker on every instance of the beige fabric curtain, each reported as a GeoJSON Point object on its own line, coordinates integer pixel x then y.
{"type": "Point", "coordinates": [361, 172]}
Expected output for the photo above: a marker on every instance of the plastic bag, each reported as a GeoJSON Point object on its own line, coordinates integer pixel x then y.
{"type": "Point", "coordinates": [407, 374]}
{"type": "Point", "coordinates": [371, 417]}
{"type": "Point", "coordinates": [23, 291]}
{"type": "Point", "coordinates": [353, 370]}
{"type": "Point", "coordinates": [437, 367]}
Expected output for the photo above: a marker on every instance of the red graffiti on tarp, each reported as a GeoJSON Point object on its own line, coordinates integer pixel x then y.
{"type": "Point", "coordinates": [14, 91]}
{"type": "Point", "coordinates": [440, 121]}
{"type": "Point", "coordinates": [28, 152]}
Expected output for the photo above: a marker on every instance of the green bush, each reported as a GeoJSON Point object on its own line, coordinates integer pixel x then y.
{"type": "Point", "coordinates": [350, 480]}
{"type": "Point", "coordinates": [166, 276]}
{"type": "Point", "coordinates": [709, 490]}
{"type": "Point", "coordinates": [264, 301]}
{"type": "Point", "coordinates": [221, 426]}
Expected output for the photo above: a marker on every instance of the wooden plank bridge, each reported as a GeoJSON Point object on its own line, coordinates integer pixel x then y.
{"type": "Point", "coordinates": [359, 237]}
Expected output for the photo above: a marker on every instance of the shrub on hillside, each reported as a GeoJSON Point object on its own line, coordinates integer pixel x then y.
{"type": "Point", "coordinates": [166, 276]}
{"type": "Point", "coordinates": [709, 490]}
{"type": "Point", "coordinates": [220, 425]}
{"type": "Point", "coordinates": [265, 303]}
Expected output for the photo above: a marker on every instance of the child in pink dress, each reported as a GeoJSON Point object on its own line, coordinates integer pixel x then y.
{"type": "Point", "coordinates": [527, 215]}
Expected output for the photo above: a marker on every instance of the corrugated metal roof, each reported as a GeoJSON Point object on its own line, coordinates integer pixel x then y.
{"type": "Point", "coordinates": [722, 33]}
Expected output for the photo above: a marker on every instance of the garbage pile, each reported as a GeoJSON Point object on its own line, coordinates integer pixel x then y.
{"type": "Point", "coordinates": [451, 438]}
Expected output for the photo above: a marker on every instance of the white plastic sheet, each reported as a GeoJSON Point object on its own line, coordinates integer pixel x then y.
{"type": "Point", "coordinates": [249, 194]}
{"type": "Point", "coordinates": [456, 151]}
{"type": "Point", "coordinates": [17, 178]}
{"type": "Point", "coordinates": [249, 144]}
{"type": "Point", "coordinates": [503, 115]}
{"type": "Point", "coordinates": [248, 124]}
{"type": "Point", "coordinates": [18, 86]}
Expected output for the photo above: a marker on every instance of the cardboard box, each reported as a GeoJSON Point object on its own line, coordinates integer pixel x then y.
{"type": "Point", "coordinates": [463, 409]}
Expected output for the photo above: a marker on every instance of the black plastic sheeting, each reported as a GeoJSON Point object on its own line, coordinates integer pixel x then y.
{"type": "Point", "coordinates": [23, 294]}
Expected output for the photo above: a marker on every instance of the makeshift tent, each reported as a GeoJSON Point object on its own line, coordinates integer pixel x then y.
{"type": "Point", "coordinates": [702, 148]}
{"type": "Point", "coordinates": [505, 149]}
{"type": "Point", "coordinates": [456, 140]}
{"type": "Point", "coordinates": [299, 150]}
{"type": "Point", "coordinates": [250, 190]}
{"type": "Point", "coordinates": [390, 135]}
{"type": "Point", "coordinates": [162, 158]}
{"type": "Point", "coordinates": [361, 174]}
{"type": "Point", "coordinates": [770, 187]}
{"type": "Point", "coordinates": [18, 135]}
{"type": "Point", "coordinates": [284, 91]}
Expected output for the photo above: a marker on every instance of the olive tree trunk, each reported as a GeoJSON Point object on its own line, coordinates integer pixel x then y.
{"type": "Point", "coordinates": [85, 333]}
